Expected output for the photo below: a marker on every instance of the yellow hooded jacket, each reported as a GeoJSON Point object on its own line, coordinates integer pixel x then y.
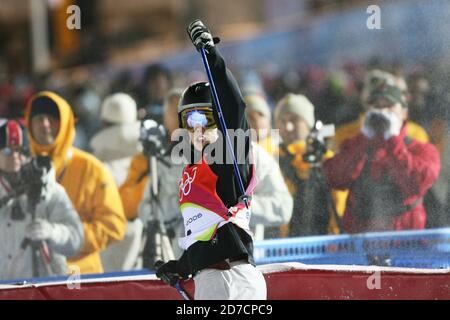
{"type": "Point", "coordinates": [89, 185]}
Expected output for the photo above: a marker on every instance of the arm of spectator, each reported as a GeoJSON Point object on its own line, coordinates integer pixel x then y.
{"type": "Point", "coordinates": [67, 230]}
{"type": "Point", "coordinates": [132, 191]}
{"type": "Point", "coordinates": [144, 205]}
{"type": "Point", "coordinates": [413, 168]}
{"type": "Point", "coordinates": [344, 168]}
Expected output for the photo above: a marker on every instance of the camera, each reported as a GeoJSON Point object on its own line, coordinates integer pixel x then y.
{"type": "Point", "coordinates": [315, 142]}
{"type": "Point", "coordinates": [377, 121]}
{"type": "Point", "coordinates": [153, 137]}
{"type": "Point", "coordinates": [32, 181]}
{"type": "Point", "coordinates": [33, 176]}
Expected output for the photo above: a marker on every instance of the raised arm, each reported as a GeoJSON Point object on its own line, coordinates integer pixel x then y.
{"type": "Point", "coordinates": [233, 110]}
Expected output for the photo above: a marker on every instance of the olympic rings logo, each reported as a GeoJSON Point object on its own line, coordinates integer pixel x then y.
{"type": "Point", "coordinates": [186, 185]}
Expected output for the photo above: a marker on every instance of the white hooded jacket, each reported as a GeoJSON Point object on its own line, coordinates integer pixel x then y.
{"type": "Point", "coordinates": [16, 261]}
{"type": "Point", "coordinates": [115, 146]}
{"type": "Point", "coordinates": [272, 203]}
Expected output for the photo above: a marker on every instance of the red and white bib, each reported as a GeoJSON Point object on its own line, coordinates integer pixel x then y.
{"type": "Point", "coordinates": [202, 209]}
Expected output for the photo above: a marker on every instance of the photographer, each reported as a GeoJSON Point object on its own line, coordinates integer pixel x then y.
{"type": "Point", "coordinates": [35, 211]}
{"type": "Point", "coordinates": [387, 172]}
{"type": "Point", "coordinates": [136, 191]}
{"type": "Point", "coordinates": [312, 213]}
{"type": "Point", "coordinates": [160, 211]}
{"type": "Point", "coordinates": [372, 80]}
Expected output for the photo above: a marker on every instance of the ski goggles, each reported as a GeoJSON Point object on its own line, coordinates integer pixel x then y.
{"type": "Point", "coordinates": [203, 116]}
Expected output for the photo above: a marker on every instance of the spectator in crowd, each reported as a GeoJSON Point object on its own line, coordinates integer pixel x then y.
{"type": "Point", "coordinates": [89, 185]}
{"type": "Point", "coordinates": [272, 202]}
{"type": "Point", "coordinates": [115, 145]}
{"type": "Point", "coordinates": [422, 109]}
{"type": "Point", "coordinates": [418, 99]}
{"type": "Point", "coordinates": [372, 80]}
{"type": "Point", "coordinates": [118, 141]}
{"type": "Point", "coordinates": [437, 200]}
{"type": "Point", "coordinates": [33, 209]}
{"type": "Point", "coordinates": [259, 117]}
{"type": "Point", "coordinates": [387, 172]}
{"type": "Point", "coordinates": [157, 81]}
{"type": "Point", "coordinates": [169, 171]}
{"type": "Point", "coordinates": [132, 190]}
{"type": "Point", "coordinates": [312, 214]}
{"type": "Point", "coordinates": [86, 108]}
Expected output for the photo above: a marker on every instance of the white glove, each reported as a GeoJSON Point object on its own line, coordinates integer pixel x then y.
{"type": "Point", "coordinates": [39, 230]}
{"type": "Point", "coordinates": [395, 125]}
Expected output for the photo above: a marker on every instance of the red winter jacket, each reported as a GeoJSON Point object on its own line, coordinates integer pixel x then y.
{"type": "Point", "coordinates": [411, 166]}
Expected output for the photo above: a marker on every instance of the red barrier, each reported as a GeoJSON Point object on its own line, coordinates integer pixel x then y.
{"type": "Point", "coordinates": [284, 281]}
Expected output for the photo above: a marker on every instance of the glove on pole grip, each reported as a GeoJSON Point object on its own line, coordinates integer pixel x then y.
{"type": "Point", "coordinates": [172, 281]}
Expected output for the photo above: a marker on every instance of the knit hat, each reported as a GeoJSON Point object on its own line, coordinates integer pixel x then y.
{"type": "Point", "coordinates": [373, 80]}
{"type": "Point", "coordinates": [258, 103]}
{"type": "Point", "coordinates": [11, 133]}
{"type": "Point", "coordinates": [119, 108]}
{"type": "Point", "coordinates": [297, 104]}
{"type": "Point", "coordinates": [44, 105]}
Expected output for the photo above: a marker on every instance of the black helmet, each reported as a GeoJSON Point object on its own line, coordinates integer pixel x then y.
{"type": "Point", "coordinates": [196, 95]}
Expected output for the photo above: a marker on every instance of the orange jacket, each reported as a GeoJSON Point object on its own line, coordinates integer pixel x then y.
{"type": "Point", "coordinates": [132, 190]}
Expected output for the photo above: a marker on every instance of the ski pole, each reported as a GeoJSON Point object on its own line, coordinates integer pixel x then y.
{"type": "Point", "coordinates": [223, 125]}
{"type": "Point", "coordinates": [181, 291]}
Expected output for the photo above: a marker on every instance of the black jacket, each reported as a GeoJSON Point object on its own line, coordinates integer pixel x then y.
{"type": "Point", "coordinates": [230, 241]}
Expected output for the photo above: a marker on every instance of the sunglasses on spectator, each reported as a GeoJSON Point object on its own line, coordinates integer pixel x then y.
{"type": "Point", "coordinates": [8, 151]}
